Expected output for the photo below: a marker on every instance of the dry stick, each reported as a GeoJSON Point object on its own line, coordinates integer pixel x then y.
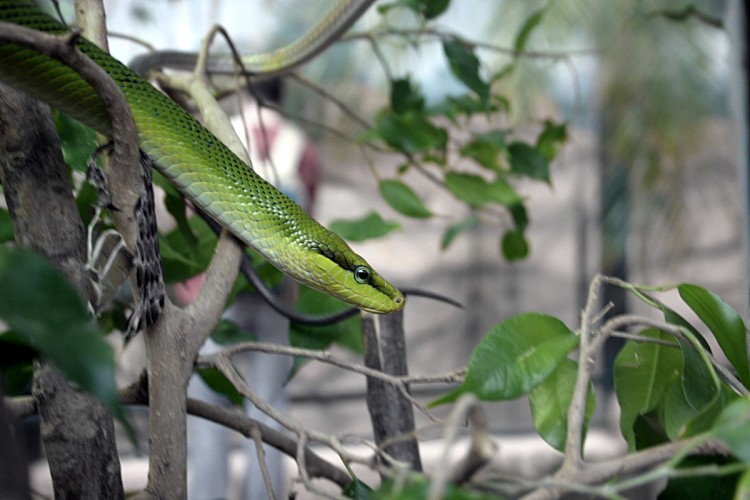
{"type": "Point", "coordinates": [400, 382]}
{"type": "Point", "coordinates": [466, 405]}
{"type": "Point", "coordinates": [261, 456]}
{"type": "Point", "coordinates": [224, 365]}
{"type": "Point", "coordinates": [137, 394]}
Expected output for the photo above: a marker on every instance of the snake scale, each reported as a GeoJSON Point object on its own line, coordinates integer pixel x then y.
{"type": "Point", "coordinates": [200, 166]}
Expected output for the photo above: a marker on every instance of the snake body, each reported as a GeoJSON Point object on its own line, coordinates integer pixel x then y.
{"type": "Point", "coordinates": [200, 166]}
{"type": "Point", "coordinates": [330, 27]}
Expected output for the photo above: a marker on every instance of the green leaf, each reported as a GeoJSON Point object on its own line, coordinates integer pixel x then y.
{"type": "Point", "coordinates": [724, 322]}
{"type": "Point", "coordinates": [429, 9]}
{"type": "Point", "coordinates": [733, 427]}
{"type": "Point", "coordinates": [526, 29]}
{"type": "Point", "coordinates": [476, 191]}
{"type": "Point", "coordinates": [551, 139]}
{"type": "Point", "coordinates": [699, 380]}
{"type": "Point", "coordinates": [6, 226]}
{"type": "Point", "coordinates": [486, 148]}
{"type": "Point", "coordinates": [228, 332]}
{"type": "Point", "coordinates": [454, 106]}
{"type": "Point", "coordinates": [681, 419]}
{"type": "Point", "coordinates": [418, 487]}
{"type": "Point", "coordinates": [714, 483]}
{"type": "Point", "coordinates": [551, 399]}
{"type": "Point", "coordinates": [358, 490]}
{"type": "Point", "coordinates": [742, 490]}
{"type": "Point", "coordinates": [514, 357]}
{"type": "Point", "coordinates": [180, 258]}
{"type": "Point", "coordinates": [465, 66]}
{"type": "Point", "coordinates": [405, 96]}
{"type": "Point", "coordinates": [528, 161]}
{"type": "Point", "coordinates": [514, 245]}
{"type": "Point", "coordinates": [219, 383]}
{"type": "Point", "coordinates": [367, 227]}
{"type": "Point", "coordinates": [520, 216]}
{"type": "Point", "coordinates": [78, 142]}
{"type": "Point", "coordinates": [403, 199]}
{"type": "Point", "coordinates": [456, 229]}
{"type": "Point", "coordinates": [47, 314]}
{"type": "Point", "coordinates": [410, 132]}
{"type": "Point", "coordinates": [643, 372]}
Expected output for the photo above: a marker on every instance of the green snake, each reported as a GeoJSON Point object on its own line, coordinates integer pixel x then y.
{"type": "Point", "coordinates": [200, 166]}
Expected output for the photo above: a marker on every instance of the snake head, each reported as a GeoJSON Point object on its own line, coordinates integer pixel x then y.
{"type": "Point", "coordinates": [348, 277]}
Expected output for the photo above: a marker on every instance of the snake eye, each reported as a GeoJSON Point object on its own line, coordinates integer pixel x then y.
{"type": "Point", "coordinates": [362, 274]}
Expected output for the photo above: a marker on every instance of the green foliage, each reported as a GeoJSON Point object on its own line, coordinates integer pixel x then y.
{"type": "Point", "coordinates": [403, 199]}
{"type": "Point", "coordinates": [456, 229]}
{"type": "Point", "coordinates": [551, 399]}
{"type": "Point", "coordinates": [724, 322]}
{"type": "Point", "coordinates": [514, 245]}
{"type": "Point", "coordinates": [220, 384]}
{"type": "Point", "coordinates": [476, 191]}
{"type": "Point", "coordinates": [370, 226]}
{"type": "Point", "coordinates": [465, 66]}
{"type": "Point", "coordinates": [78, 142]}
{"type": "Point", "coordinates": [643, 373]}
{"type": "Point", "coordinates": [429, 9]}
{"type": "Point", "coordinates": [46, 313]}
{"type": "Point", "coordinates": [514, 357]}
{"type": "Point", "coordinates": [418, 487]}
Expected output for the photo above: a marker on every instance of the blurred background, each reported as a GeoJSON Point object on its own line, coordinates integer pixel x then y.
{"type": "Point", "coordinates": [649, 184]}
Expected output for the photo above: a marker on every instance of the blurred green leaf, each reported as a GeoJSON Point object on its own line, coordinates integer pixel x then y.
{"type": "Point", "coordinates": [514, 357]}
{"type": "Point", "coordinates": [405, 96]}
{"type": "Point", "coordinates": [643, 372]}
{"type": "Point", "coordinates": [219, 383]}
{"type": "Point", "coordinates": [358, 490]}
{"type": "Point", "coordinates": [429, 9]}
{"type": "Point", "coordinates": [229, 332]}
{"type": "Point", "coordinates": [465, 66]}
{"type": "Point", "coordinates": [476, 191]}
{"type": "Point", "coordinates": [724, 322]}
{"type": "Point", "coordinates": [78, 142]}
{"type": "Point", "coordinates": [370, 226]}
{"type": "Point", "coordinates": [182, 259]}
{"type": "Point", "coordinates": [733, 427]}
{"type": "Point", "coordinates": [456, 229]}
{"type": "Point", "coordinates": [713, 484]}
{"type": "Point", "coordinates": [520, 216]}
{"type": "Point", "coordinates": [551, 139]}
{"type": "Point", "coordinates": [526, 29]}
{"type": "Point", "coordinates": [418, 487]}
{"type": "Point", "coordinates": [6, 226]}
{"type": "Point", "coordinates": [467, 104]}
{"type": "Point", "coordinates": [514, 245]}
{"type": "Point", "coordinates": [410, 132]}
{"type": "Point", "coordinates": [486, 148]}
{"type": "Point", "coordinates": [403, 199]}
{"type": "Point", "coordinates": [550, 402]}
{"type": "Point", "coordinates": [528, 161]}
{"type": "Point", "coordinates": [742, 489]}
{"type": "Point", "coordinates": [46, 312]}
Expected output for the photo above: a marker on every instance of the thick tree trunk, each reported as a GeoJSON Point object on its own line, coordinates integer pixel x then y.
{"type": "Point", "coordinates": [77, 431]}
